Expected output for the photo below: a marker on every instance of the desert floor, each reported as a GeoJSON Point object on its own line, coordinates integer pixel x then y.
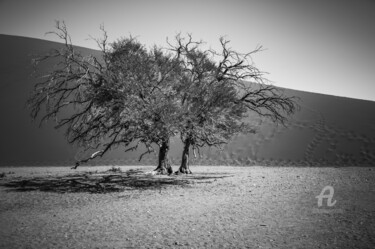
{"type": "Point", "coordinates": [216, 207]}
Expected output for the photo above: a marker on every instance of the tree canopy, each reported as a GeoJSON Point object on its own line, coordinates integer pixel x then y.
{"type": "Point", "coordinates": [133, 95]}
{"type": "Point", "coordinates": [218, 92]}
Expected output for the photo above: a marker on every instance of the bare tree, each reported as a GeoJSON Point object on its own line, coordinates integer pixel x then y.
{"type": "Point", "coordinates": [218, 92]}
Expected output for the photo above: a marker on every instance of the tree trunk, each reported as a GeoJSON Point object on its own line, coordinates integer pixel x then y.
{"type": "Point", "coordinates": [184, 168]}
{"type": "Point", "coordinates": [164, 164]}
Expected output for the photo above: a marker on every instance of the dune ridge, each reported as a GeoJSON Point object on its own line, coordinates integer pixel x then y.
{"type": "Point", "coordinates": [327, 131]}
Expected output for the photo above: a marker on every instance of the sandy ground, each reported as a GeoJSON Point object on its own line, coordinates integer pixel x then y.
{"type": "Point", "coordinates": [216, 207]}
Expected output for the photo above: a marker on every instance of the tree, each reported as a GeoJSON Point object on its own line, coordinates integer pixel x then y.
{"type": "Point", "coordinates": [134, 96]}
{"type": "Point", "coordinates": [218, 91]}
{"type": "Point", "coordinates": [124, 98]}
{"type": "Point", "coordinates": [153, 87]}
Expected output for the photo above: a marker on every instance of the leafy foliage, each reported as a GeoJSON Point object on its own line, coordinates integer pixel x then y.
{"type": "Point", "coordinates": [125, 97]}
{"type": "Point", "coordinates": [133, 95]}
{"type": "Point", "coordinates": [219, 90]}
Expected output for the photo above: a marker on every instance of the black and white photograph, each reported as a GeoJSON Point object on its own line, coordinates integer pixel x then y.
{"type": "Point", "coordinates": [187, 124]}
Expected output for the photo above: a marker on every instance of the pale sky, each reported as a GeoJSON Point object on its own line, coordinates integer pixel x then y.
{"type": "Point", "coordinates": [316, 46]}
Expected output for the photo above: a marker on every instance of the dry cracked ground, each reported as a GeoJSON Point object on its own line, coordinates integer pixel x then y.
{"type": "Point", "coordinates": [216, 207]}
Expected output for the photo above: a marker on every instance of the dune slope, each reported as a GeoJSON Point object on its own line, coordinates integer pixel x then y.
{"type": "Point", "coordinates": [328, 130]}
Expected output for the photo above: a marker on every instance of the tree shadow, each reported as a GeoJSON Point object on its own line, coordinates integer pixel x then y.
{"type": "Point", "coordinates": [104, 182]}
{"type": "Point", "coordinates": [207, 177]}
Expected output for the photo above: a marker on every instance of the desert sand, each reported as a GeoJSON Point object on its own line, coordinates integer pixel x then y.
{"type": "Point", "coordinates": [216, 207]}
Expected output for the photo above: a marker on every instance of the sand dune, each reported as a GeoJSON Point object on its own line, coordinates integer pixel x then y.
{"type": "Point", "coordinates": [328, 130]}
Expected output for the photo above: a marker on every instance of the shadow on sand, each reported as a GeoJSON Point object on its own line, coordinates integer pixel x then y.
{"type": "Point", "coordinates": [105, 182]}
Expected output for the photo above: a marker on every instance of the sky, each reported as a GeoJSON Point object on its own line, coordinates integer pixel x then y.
{"type": "Point", "coordinates": [316, 46]}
